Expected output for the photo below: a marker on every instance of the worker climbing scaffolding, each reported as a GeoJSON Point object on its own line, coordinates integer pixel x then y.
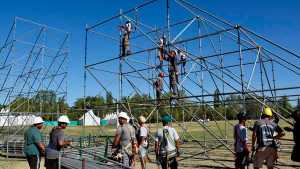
{"type": "Point", "coordinates": [183, 58]}
{"type": "Point", "coordinates": [161, 51]}
{"type": "Point", "coordinates": [158, 84]}
{"type": "Point", "coordinates": [173, 72]}
{"type": "Point", "coordinates": [126, 31]}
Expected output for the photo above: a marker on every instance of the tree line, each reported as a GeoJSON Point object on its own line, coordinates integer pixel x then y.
{"type": "Point", "coordinates": [216, 107]}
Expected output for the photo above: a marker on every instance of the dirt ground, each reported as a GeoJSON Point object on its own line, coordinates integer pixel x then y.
{"type": "Point", "coordinates": [13, 163]}
{"type": "Point", "coordinates": [22, 164]}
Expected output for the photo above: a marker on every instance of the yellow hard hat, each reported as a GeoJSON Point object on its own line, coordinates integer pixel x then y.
{"type": "Point", "coordinates": [268, 111]}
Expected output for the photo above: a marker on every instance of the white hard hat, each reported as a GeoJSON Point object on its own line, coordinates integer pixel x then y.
{"type": "Point", "coordinates": [38, 120]}
{"type": "Point", "coordinates": [63, 119]}
{"type": "Point", "coordinates": [123, 115]}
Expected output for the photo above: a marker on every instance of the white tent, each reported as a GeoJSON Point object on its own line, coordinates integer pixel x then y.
{"type": "Point", "coordinates": [21, 120]}
{"type": "Point", "coordinates": [89, 119]}
{"type": "Point", "coordinates": [111, 118]}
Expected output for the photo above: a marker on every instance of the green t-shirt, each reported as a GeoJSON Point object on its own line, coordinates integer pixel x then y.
{"type": "Point", "coordinates": [32, 136]}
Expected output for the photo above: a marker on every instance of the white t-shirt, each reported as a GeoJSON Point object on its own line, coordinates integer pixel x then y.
{"type": "Point", "coordinates": [172, 137]}
{"type": "Point", "coordinates": [144, 133]}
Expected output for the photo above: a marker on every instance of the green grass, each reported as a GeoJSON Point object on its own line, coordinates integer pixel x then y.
{"type": "Point", "coordinates": [187, 130]}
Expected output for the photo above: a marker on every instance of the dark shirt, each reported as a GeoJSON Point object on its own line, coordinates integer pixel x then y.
{"type": "Point", "coordinates": [264, 130]}
{"type": "Point", "coordinates": [296, 132]}
{"type": "Point", "coordinates": [53, 148]}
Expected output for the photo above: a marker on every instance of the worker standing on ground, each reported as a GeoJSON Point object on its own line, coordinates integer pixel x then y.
{"type": "Point", "coordinates": [125, 140]}
{"type": "Point", "coordinates": [56, 143]}
{"type": "Point", "coordinates": [126, 31]}
{"type": "Point", "coordinates": [158, 84]}
{"type": "Point", "coordinates": [161, 51]}
{"type": "Point", "coordinates": [33, 146]}
{"type": "Point", "coordinates": [240, 142]}
{"type": "Point", "coordinates": [263, 140]}
{"type": "Point", "coordinates": [142, 139]}
{"type": "Point", "coordinates": [296, 130]}
{"type": "Point", "coordinates": [167, 144]}
{"type": "Point", "coordinates": [173, 72]}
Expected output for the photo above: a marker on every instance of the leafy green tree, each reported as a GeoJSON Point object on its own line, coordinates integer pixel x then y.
{"type": "Point", "coordinates": [109, 98]}
{"type": "Point", "coordinates": [285, 105]}
{"type": "Point", "coordinates": [217, 100]}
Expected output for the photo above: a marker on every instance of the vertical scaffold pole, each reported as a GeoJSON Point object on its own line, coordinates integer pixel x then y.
{"type": "Point", "coordinates": [241, 67]}
{"type": "Point", "coordinates": [85, 63]}
{"type": "Point", "coordinates": [84, 78]}
{"type": "Point", "coordinates": [120, 62]}
{"type": "Point", "coordinates": [168, 20]}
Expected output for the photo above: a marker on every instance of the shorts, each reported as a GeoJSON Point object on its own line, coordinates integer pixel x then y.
{"type": "Point", "coordinates": [143, 151]}
{"type": "Point", "coordinates": [266, 153]}
{"type": "Point", "coordinates": [51, 163]}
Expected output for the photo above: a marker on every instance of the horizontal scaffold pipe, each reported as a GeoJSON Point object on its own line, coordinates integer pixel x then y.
{"type": "Point", "coordinates": [119, 15]}
{"type": "Point", "coordinates": [155, 48]}
{"type": "Point", "coordinates": [208, 95]}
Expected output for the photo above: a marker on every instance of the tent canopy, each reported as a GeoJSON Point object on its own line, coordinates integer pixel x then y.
{"type": "Point", "coordinates": [89, 119]}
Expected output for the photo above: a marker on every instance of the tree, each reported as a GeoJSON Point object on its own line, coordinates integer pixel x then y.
{"type": "Point", "coordinates": [92, 102]}
{"type": "Point", "coordinates": [298, 104]}
{"type": "Point", "coordinates": [233, 106]}
{"type": "Point", "coordinates": [217, 100]}
{"type": "Point", "coordinates": [252, 107]}
{"type": "Point", "coordinates": [285, 105]}
{"type": "Point", "coordinates": [109, 98]}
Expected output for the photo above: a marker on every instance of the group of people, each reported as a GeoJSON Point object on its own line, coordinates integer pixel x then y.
{"type": "Point", "coordinates": [34, 147]}
{"type": "Point", "coordinates": [171, 57]}
{"type": "Point", "coordinates": [164, 54]}
{"type": "Point", "coordinates": [130, 143]}
{"type": "Point", "coordinates": [265, 140]}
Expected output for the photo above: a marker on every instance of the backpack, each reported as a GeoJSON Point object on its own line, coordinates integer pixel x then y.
{"type": "Point", "coordinates": [167, 139]}
{"type": "Point", "coordinates": [265, 135]}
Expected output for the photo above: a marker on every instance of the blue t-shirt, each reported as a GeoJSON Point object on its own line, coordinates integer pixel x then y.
{"type": "Point", "coordinates": [32, 137]}
{"type": "Point", "coordinates": [240, 137]}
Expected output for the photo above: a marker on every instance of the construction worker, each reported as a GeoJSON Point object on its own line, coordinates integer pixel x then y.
{"type": "Point", "coordinates": [57, 142]}
{"type": "Point", "coordinates": [33, 145]}
{"type": "Point", "coordinates": [125, 140]}
{"type": "Point", "coordinates": [142, 139]}
{"type": "Point", "coordinates": [183, 58]}
{"type": "Point", "coordinates": [240, 142]}
{"type": "Point", "coordinates": [173, 72]}
{"type": "Point", "coordinates": [296, 130]}
{"type": "Point", "coordinates": [167, 144]}
{"type": "Point", "coordinates": [161, 51]}
{"type": "Point", "coordinates": [126, 30]}
{"type": "Point", "coordinates": [158, 84]}
{"type": "Point", "coordinates": [263, 140]}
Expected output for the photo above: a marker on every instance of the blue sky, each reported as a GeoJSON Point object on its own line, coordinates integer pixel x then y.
{"type": "Point", "coordinates": [277, 20]}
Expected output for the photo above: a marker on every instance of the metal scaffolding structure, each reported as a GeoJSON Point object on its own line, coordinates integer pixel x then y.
{"type": "Point", "coordinates": [34, 59]}
{"type": "Point", "coordinates": [221, 56]}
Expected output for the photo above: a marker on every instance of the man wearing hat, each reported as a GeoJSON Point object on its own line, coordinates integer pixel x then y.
{"type": "Point", "coordinates": [33, 146]}
{"type": "Point", "coordinates": [56, 143]}
{"type": "Point", "coordinates": [125, 139]}
{"type": "Point", "coordinates": [167, 144]}
{"type": "Point", "coordinates": [240, 142]}
{"type": "Point", "coordinates": [264, 141]}
{"type": "Point", "coordinates": [142, 136]}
